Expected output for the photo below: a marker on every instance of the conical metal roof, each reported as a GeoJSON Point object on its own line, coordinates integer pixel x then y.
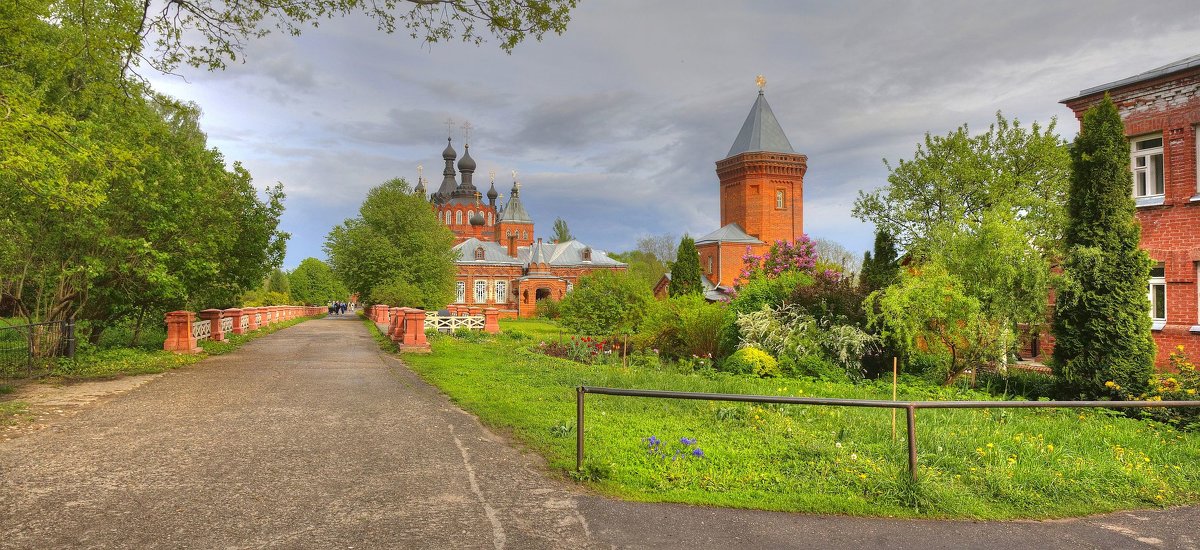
{"type": "Point", "coordinates": [761, 132]}
{"type": "Point", "coordinates": [514, 211]}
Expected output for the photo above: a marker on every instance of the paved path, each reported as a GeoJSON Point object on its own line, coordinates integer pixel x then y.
{"type": "Point", "coordinates": [310, 438]}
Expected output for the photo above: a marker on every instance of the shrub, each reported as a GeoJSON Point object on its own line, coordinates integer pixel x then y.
{"type": "Point", "coordinates": [548, 309]}
{"type": "Point", "coordinates": [751, 361]}
{"type": "Point", "coordinates": [605, 302]}
{"type": "Point", "coordinates": [1181, 385]}
{"type": "Point", "coordinates": [814, 366]}
{"type": "Point", "coordinates": [790, 333]}
{"type": "Point", "coordinates": [768, 291]}
{"type": "Point", "coordinates": [682, 326]}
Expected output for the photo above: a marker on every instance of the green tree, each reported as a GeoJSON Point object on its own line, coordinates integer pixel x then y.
{"type": "Point", "coordinates": [881, 269]}
{"type": "Point", "coordinates": [562, 234]}
{"type": "Point", "coordinates": [956, 179]}
{"type": "Point", "coordinates": [643, 266]}
{"type": "Point", "coordinates": [394, 246]}
{"type": "Point", "coordinates": [313, 283]}
{"type": "Point", "coordinates": [210, 33]}
{"type": "Point", "coordinates": [685, 272]}
{"type": "Point", "coordinates": [278, 282]}
{"type": "Point", "coordinates": [604, 303]}
{"type": "Point", "coordinates": [1101, 322]}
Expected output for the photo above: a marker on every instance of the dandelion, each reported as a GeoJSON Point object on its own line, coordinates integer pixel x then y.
{"type": "Point", "coordinates": [1050, 447]}
{"type": "Point", "coordinates": [853, 456]}
{"type": "Point", "coordinates": [989, 445]}
{"type": "Point", "coordinates": [838, 444]}
{"type": "Point", "coordinates": [862, 476]}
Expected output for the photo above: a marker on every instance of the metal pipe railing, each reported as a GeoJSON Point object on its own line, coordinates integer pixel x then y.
{"type": "Point", "coordinates": [910, 408]}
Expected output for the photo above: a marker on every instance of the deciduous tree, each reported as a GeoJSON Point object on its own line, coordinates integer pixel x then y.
{"type": "Point", "coordinates": [685, 272]}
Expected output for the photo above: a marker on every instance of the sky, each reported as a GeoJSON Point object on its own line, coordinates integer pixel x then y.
{"type": "Point", "coordinates": [616, 124]}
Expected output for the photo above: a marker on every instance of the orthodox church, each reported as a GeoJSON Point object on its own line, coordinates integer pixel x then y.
{"type": "Point", "coordinates": [762, 197]}
{"type": "Point", "coordinates": [500, 265]}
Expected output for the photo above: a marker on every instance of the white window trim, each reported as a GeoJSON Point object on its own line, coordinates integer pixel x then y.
{"type": "Point", "coordinates": [460, 291]}
{"type": "Point", "coordinates": [1134, 154]}
{"type": "Point", "coordinates": [480, 292]}
{"type": "Point", "coordinates": [1157, 323]}
{"type": "Point", "coordinates": [780, 199]}
{"type": "Point", "coordinates": [458, 217]}
{"type": "Point", "coordinates": [501, 292]}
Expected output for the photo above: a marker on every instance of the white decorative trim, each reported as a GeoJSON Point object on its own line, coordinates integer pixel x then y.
{"type": "Point", "coordinates": [1157, 325]}
{"type": "Point", "coordinates": [1195, 198]}
{"type": "Point", "coordinates": [1154, 200]}
{"type": "Point", "coordinates": [1195, 328]}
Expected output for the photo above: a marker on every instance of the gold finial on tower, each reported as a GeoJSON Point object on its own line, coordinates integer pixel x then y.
{"type": "Point", "coordinates": [761, 82]}
{"type": "Point", "coordinates": [420, 171]}
{"type": "Point", "coordinates": [492, 175]}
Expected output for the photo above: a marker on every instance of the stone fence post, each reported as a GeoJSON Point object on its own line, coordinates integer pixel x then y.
{"type": "Point", "coordinates": [179, 333]}
{"type": "Point", "coordinates": [252, 313]}
{"type": "Point", "coordinates": [491, 320]}
{"type": "Point", "coordinates": [414, 333]}
{"type": "Point", "coordinates": [214, 316]}
{"type": "Point", "coordinates": [235, 314]}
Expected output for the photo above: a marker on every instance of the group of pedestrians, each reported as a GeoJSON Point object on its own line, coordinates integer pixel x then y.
{"type": "Point", "coordinates": [338, 308]}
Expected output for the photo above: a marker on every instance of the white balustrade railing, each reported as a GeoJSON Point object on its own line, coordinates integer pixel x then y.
{"type": "Point", "coordinates": [202, 330]}
{"type": "Point", "coordinates": [227, 324]}
{"type": "Point", "coordinates": [245, 323]}
{"type": "Point", "coordinates": [450, 324]}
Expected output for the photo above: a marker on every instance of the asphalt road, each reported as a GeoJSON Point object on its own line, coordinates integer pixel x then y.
{"type": "Point", "coordinates": [312, 438]}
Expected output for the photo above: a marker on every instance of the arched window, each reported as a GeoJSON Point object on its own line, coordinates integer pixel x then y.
{"type": "Point", "coordinates": [458, 217]}
{"type": "Point", "coordinates": [501, 292]}
{"type": "Point", "coordinates": [587, 254]}
{"type": "Point", "coordinates": [479, 253]}
{"type": "Point", "coordinates": [460, 292]}
{"type": "Point", "coordinates": [489, 218]}
{"type": "Point", "coordinates": [779, 199]}
{"type": "Point", "coordinates": [469, 214]}
{"type": "Point", "coordinates": [480, 292]}
{"type": "Point", "coordinates": [524, 235]}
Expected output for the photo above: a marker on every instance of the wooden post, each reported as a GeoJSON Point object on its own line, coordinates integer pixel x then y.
{"type": "Point", "coordinates": [894, 372]}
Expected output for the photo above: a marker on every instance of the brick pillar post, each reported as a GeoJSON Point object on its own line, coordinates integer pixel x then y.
{"type": "Point", "coordinates": [179, 333]}
{"type": "Point", "coordinates": [272, 314]}
{"type": "Point", "coordinates": [396, 316]}
{"type": "Point", "coordinates": [235, 314]}
{"type": "Point", "coordinates": [379, 314]}
{"type": "Point", "coordinates": [252, 314]}
{"type": "Point", "coordinates": [214, 316]}
{"type": "Point", "coordinates": [491, 320]}
{"type": "Point", "coordinates": [475, 311]}
{"type": "Point", "coordinates": [414, 331]}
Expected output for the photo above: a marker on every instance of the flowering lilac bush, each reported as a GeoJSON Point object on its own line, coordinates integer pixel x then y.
{"type": "Point", "coordinates": [782, 257]}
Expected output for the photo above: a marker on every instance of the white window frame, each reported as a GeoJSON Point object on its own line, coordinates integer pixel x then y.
{"type": "Point", "coordinates": [1157, 288]}
{"type": "Point", "coordinates": [480, 293]}
{"type": "Point", "coordinates": [780, 199]}
{"type": "Point", "coordinates": [460, 291]}
{"type": "Point", "coordinates": [570, 287]}
{"type": "Point", "coordinates": [1145, 177]}
{"type": "Point", "coordinates": [501, 292]}
{"type": "Point", "coordinates": [458, 217]}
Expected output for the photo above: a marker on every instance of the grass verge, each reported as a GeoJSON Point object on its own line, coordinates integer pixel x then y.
{"type": "Point", "coordinates": [1002, 464]}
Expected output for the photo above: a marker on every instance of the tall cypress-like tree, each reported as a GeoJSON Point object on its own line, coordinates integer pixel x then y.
{"type": "Point", "coordinates": [685, 271]}
{"type": "Point", "coordinates": [883, 268]}
{"type": "Point", "coordinates": [1102, 321]}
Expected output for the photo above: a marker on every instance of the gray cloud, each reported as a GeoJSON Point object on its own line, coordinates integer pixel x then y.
{"type": "Point", "coordinates": [615, 126]}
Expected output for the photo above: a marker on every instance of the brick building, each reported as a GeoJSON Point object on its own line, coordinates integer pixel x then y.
{"type": "Point", "coordinates": [499, 263]}
{"type": "Point", "coordinates": [762, 197]}
{"type": "Point", "coordinates": [1161, 112]}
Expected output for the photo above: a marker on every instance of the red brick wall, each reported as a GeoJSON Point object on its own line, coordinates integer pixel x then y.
{"type": "Point", "coordinates": [521, 294]}
{"type": "Point", "coordinates": [1168, 105]}
{"type": "Point", "coordinates": [749, 182]}
{"type": "Point", "coordinates": [727, 261]}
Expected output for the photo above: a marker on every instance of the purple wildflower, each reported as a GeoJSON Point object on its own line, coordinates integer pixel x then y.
{"type": "Point", "coordinates": [697, 453]}
{"type": "Point", "coordinates": [688, 441]}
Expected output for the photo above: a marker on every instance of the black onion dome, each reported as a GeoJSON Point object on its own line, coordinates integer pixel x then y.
{"type": "Point", "coordinates": [477, 219]}
{"type": "Point", "coordinates": [492, 194]}
{"type": "Point", "coordinates": [466, 163]}
{"type": "Point", "coordinates": [448, 153]}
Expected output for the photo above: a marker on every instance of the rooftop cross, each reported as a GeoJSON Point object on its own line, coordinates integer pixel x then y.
{"type": "Point", "coordinates": [492, 175]}
{"type": "Point", "coordinates": [449, 126]}
{"type": "Point", "coordinates": [420, 171]}
{"type": "Point", "coordinates": [761, 82]}
{"type": "Point", "coordinates": [466, 128]}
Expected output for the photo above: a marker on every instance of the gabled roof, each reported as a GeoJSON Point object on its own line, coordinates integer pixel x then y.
{"type": "Point", "coordinates": [569, 253]}
{"type": "Point", "coordinates": [711, 292]}
{"type": "Point", "coordinates": [731, 233]}
{"type": "Point", "coordinates": [761, 131]}
{"type": "Point", "coordinates": [493, 253]}
{"type": "Point", "coordinates": [1173, 67]}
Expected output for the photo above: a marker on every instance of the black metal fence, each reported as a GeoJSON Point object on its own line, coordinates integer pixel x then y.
{"type": "Point", "coordinates": [910, 408]}
{"type": "Point", "coordinates": [31, 350]}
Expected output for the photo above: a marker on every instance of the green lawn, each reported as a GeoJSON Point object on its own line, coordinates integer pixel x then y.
{"type": "Point", "coordinates": [1036, 463]}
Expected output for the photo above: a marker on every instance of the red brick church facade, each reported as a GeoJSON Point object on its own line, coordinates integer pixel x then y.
{"type": "Point", "coordinates": [500, 263]}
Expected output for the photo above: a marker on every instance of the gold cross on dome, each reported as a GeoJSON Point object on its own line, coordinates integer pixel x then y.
{"type": "Point", "coordinates": [466, 128]}
{"type": "Point", "coordinates": [760, 81]}
{"type": "Point", "coordinates": [449, 126]}
{"type": "Point", "coordinates": [420, 171]}
{"type": "Point", "coordinates": [514, 173]}
{"type": "Point", "coordinates": [492, 175]}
